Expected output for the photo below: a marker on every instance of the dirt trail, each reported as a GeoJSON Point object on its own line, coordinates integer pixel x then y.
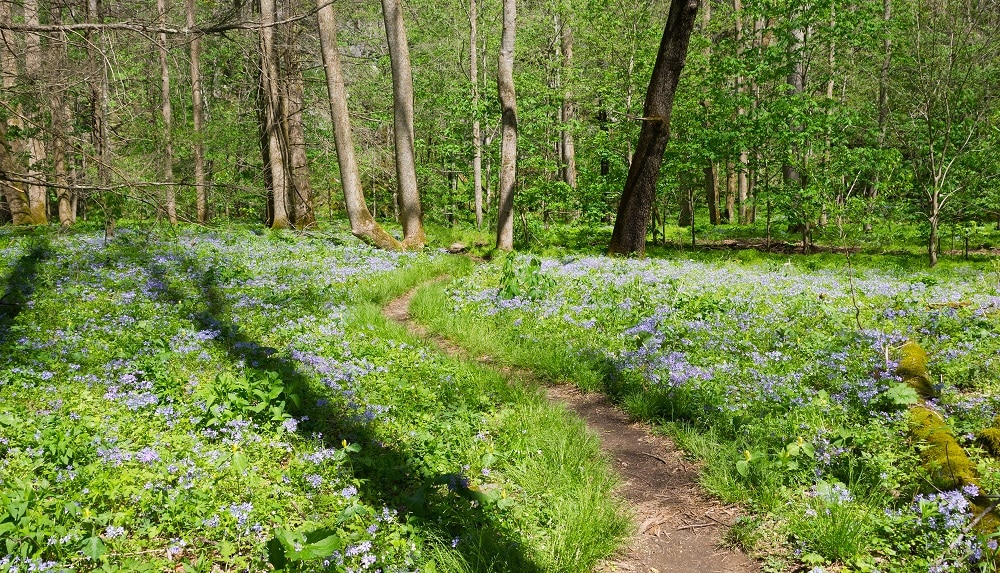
{"type": "Point", "coordinates": [680, 527]}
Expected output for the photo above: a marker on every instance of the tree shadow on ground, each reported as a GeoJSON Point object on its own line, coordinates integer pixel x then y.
{"type": "Point", "coordinates": [439, 505]}
{"type": "Point", "coordinates": [20, 286]}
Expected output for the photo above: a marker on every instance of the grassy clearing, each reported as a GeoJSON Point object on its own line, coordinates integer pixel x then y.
{"type": "Point", "coordinates": [230, 400]}
{"type": "Point", "coordinates": [757, 365]}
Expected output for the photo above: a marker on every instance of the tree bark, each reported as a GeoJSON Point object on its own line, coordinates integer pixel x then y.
{"type": "Point", "coordinates": [742, 182]}
{"type": "Point", "coordinates": [508, 145]}
{"type": "Point", "coordinates": [731, 184]}
{"type": "Point", "coordinates": [197, 112]}
{"type": "Point", "coordinates": [34, 145]}
{"type": "Point", "coordinates": [363, 225]}
{"type": "Point", "coordinates": [477, 142]}
{"type": "Point", "coordinates": [302, 192]}
{"type": "Point", "coordinates": [98, 84]}
{"type": "Point", "coordinates": [411, 216]}
{"type": "Point", "coordinates": [629, 235]}
{"type": "Point", "coordinates": [14, 192]}
{"type": "Point", "coordinates": [167, 113]}
{"type": "Point", "coordinates": [272, 112]}
{"type": "Point", "coordinates": [59, 112]}
{"type": "Point", "coordinates": [568, 107]}
{"type": "Point", "coordinates": [711, 170]}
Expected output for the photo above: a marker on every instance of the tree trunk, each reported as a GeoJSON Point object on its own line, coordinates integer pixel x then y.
{"type": "Point", "coordinates": [712, 192]}
{"type": "Point", "coordinates": [731, 183]}
{"type": "Point", "coordinates": [302, 193]}
{"type": "Point", "coordinates": [568, 147]}
{"type": "Point", "coordinates": [508, 146]}
{"type": "Point", "coordinates": [98, 84]}
{"type": "Point", "coordinates": [477, 142]}
{"type": "Point", "coordinates": [197, 110]}
{"type": "Point", "coordinates": [363, 225]}
{"type": "Point", "coordinates": [34, 145]}
{"type": "Point", "coordinates": [629, 235]}
{"type": "Point", "coordinates": [13, 191]}
{"type": "Point", "coordinates": [411, 216]}
{"type": "Point", "coordinates": [742, 182]}
{"type": "Point", "coordinates": [168, 142]}
{"type": "Point", "coordinates": [272, 112]}
{"type": "Point", "coordinates": [59, 112]}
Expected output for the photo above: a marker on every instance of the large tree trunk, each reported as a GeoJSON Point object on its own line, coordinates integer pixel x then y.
{"type": "Point", "coordinates": [402, 97]}
{"type": "Point", "coordinates": [302, 193]}
{"type": "Point", "coordinates": [363, 225]}
{"type": "Point", "coordinates": [34, 145]}
{"type": "Point", "coordinates": [197, 112]}
{"type": "Point", "coordinates": [629, 235]}
{"type": "Point", "coordinates": [272, 112]}
{"type": "Point", "coordinates": [477, 142]}
{"type": "Point", "coordinates": [508, 142]}
{"type": "Point", "coordinates": [166, 110]}
{"type": "Point", "coordinates": [14, 192]}
{"type": "Point", "coordinates": [568, 108]}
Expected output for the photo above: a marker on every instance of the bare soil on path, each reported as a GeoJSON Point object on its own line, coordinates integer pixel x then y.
{"type": "Point", "coordinates": [680, 527]}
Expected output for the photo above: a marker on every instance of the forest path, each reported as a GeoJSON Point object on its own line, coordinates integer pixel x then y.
{"type": "Point", "coordinates": [680, 527]}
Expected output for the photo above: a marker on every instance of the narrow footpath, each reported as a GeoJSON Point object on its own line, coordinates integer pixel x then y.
{"type": "Point", "coordinates": [680, 527]}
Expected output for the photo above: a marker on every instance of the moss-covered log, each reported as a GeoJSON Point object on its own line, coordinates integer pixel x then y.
{"type": "Point", "coordinates": [913, 370]}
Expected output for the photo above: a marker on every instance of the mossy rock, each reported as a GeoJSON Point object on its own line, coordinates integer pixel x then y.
{"type": "Point", "coordinates": [944, 459]}
{"type": "Point", "coordinates": [989, 440]}
{"type": "Point", "coordinates": [913, 370]}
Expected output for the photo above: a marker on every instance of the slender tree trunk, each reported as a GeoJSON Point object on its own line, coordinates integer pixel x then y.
{"type": "Point", "coordinates": [742, 182]}
{"type": "Point", "coordinates": [272, 99]}
{"type": "Point", "coordinates": [301, 188]}
{"type": "Point", "coordinates": [363, 225]}
{"type": "Point", "coordinates": [34, 144]}
{"type": "Point", "coordinates": [731, 184]}
{"type": "Point", "coordinates": [883, 93]}
{"type": "Point", "coordinates": [508, 149]}
{"type": "Point", "coordinates": [477, 141]}
{"type": "Point", "coordinates": [402, 96]}
{"type": "Point", "coordinates": [629, 235]}
{"type": "Point", "coordinates": [167, 112]}
{"type": "Point", "coordinates": [568, 107]}
{"type": "Point", "coordinates": [98, 83]}
{"type": "Point", "coordinates": [712, 169]}
{"type": "Point", "coordinates": [197, 111]}
{"type": "Point", "coordinates": [59, 112]}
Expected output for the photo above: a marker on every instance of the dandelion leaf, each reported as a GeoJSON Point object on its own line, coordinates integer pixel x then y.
{"type": "Point", "coordinates": [913, 370]}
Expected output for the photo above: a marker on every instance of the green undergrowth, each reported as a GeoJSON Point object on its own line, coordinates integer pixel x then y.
{"type": "Point", "coordinates": [207, 400]}
{"type": "Point", "coordinates": [759, 368]}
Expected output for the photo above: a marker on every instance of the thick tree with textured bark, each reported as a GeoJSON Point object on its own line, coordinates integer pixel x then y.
{"type": "Point", "coordinates": [410, 214]}
{"type": "Point", "coordinates": [508, 141]}
{"type": "Point", "coordinates": [301, 189]}
{"type": "Point", "coordinates": [363, 225]}
{"type": "Point", "coordinates": [629, 235]}
{"type": "Point", "coordinates": [14, 192]}
{"type": "Point", "coordinates": [34, 146]}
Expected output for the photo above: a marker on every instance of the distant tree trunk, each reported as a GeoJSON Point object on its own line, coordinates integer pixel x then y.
{"type": "Point", "coordinates": [34, 145]}
{"type": "Point", "coordinates": [477, 142]}
{"type": "Point", "coordinates": [98, 84]}
{"type": "Point", "coordinates": [629, 235]}
{"type": "Point", "coordinates": [742, 182]}
{"type": "Point", "coordinates": [711, 170]}
{"type": "Point", "coordinates": [731, 184]}
{"type": "Point", "coordinates": [168, 142]}
{"type": "Point", "coordinates": [197, 112]}
{"type": "Point", "coordinates": [568, 107]}
{"type": "Point", "coordinates": [272, 100]}
{"type": "Point", "coordinates": [685, 218]}
{"type": "Point", "coordinates": [508, 149]}
{"type": "Point", "coordinates": [402, 96]}
{"type": "Point", "coordinates": [302, 193]}
{"type": "Point", "coordinates": [14, 192]}
{"type": "Point", "coordinates": [883, 94]}
{"type": "Point", "coordinates": [363, 225]}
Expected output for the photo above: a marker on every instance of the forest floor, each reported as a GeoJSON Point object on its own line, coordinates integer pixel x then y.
{"type": "Point", "coordinates": [680, 528]}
